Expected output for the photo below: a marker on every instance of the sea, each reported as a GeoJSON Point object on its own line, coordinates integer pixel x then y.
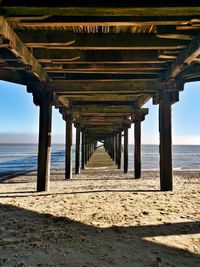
{"type": "Point", "coordinates": [22, 158]}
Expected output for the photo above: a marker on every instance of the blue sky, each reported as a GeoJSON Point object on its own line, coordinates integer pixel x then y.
{"type": "Point", "coordinates": [19, 118]}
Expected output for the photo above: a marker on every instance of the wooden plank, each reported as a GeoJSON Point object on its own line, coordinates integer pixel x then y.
{"type": "Point", "coordinates": [17, 47]}
{"type": "Point", "coordinates": [44, 147]}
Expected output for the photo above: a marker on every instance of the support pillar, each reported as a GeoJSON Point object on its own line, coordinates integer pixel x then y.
{"type": "Point", "coordinates": [44, 146]}
{"type": "Point", "coordinates": [137, 150]}
{"type": "Point", "coordinates": [77, 167]}
{"type": "Point", "coordinates": [68, 159]}
{"type": "Point", "coordinates": [119, 143]}
{"type": "Point", "coordinates": [83, 151]}
{"type": "Point", "coordinates": [165, 100]}
{"type": "Point", "coordinates": [165, 145]}
{"type": "Point", "coordinates": [116, 149]}
{"type": "Point", "coordinates": [125, 150]}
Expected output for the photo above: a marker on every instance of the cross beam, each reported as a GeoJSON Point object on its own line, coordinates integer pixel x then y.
{"type": "Point", "coordinates": [189, 55]}
{"type": "Point", "coordinates": [16, 46]}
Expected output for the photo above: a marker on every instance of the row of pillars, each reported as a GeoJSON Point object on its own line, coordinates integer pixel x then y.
{"type": "Point", "coordinates": [87, 146]}
{"type": "Point", "coordinates": [112, 144]}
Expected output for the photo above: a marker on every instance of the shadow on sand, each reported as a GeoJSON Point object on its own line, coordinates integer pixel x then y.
{"type": "Point", "coordinates": [33, 239]}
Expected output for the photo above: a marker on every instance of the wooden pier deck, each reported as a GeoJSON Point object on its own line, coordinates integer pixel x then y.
{"type": "Point", "coordinates": [101, 159]}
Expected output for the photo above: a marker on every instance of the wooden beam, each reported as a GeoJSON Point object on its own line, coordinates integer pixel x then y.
{"type": "Point", "coordinates": [92, 97]}
{"type": "Point", "coordinates": [91, 120]}
{"type": "Point", "coordinates": [147, 6]}
{"type": "Point", "coordinates": [61, 38]}
{"type": "Point", "coordinates": [57, 56]}
{"type": "Point", "coordinates": [173, 33]}
{"type": "Point", "coordinates": [46, 38]}
{"type": "Point", "coordinates": [17, 47]}
{"type": "Point", "coordinates": [11, 76]}
{"type": "Point", "coordinates": [186, 57]}
{"type": "Point", "coordinates": [122, 42]}
{"type": "Point", "coordinates": [106, 85]}
{"type": "Point", "coordinates": [108, 66]}
{"type": "Point", "coordinates": [101, 109]}
{"type": "Point", "coordinates": [104, 76]}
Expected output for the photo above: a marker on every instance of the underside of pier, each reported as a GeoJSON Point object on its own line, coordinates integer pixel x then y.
{"type": "Point", "coordinates": [99, 63]}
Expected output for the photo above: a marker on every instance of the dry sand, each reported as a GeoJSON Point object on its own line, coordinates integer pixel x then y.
{"type": "Point", "coordinates": [100, 218]}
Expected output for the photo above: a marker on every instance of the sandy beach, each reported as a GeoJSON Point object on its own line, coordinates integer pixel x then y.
{"type": "Point", "coordinates": [101, 217]}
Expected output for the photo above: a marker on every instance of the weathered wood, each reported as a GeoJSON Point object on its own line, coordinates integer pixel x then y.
{"type": "Point", "coordinates": [44, 145]}
{"type": "Point", "coordinates": [119, 143]}
{"type": "Point", "coordinates": [106, 76]}
{"type": "Point", "coordinates": [83, 151]}
{"type": "Point", "coordinates": [137, 150]}
{"type": "Point", "coordinates": [184, 59]}
{"type": "Point", "coordinates": [116, 148]}
{"type": "Point", "coordinates": [122, 42]}
{"type": "Point", "coordinates": [77, 163]}
{"type": "Point", "coordinates": [86, 149]}
{"type": "Point", "coordinates": [102, 109]}
{"type": "Point", "coordinates": [17, 47]}
{"type": "Point", "coordinates": [106, 85]}
{"type": "Point", "coordinates": [125, 150]}
{"type": "Point", "coordinates": [40, 38]}
{"type": "Point", "coordinates": [68, 156]}
{"type": "Point", "coordinates": [84, 9]}
{"type": "Point", "coordinates": [166, 183]}
{"type": "Point", "coordinates": [101, 67]}
{"type": "Point", "coordinates": [57, 56]}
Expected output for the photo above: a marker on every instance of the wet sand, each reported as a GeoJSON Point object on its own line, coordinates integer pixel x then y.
{"type": "Point", "coordinates": [101, 217]}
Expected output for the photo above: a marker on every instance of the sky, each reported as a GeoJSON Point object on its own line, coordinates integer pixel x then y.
{"type": "Point", "coordinates": [19, 118]}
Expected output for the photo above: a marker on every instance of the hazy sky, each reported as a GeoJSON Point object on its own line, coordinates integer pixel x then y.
{"type": "Point", "coordinates": [19, 118]}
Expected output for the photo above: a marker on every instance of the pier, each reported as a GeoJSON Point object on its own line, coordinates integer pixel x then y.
{"type": "Point", "coordinates": [98, 64]}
